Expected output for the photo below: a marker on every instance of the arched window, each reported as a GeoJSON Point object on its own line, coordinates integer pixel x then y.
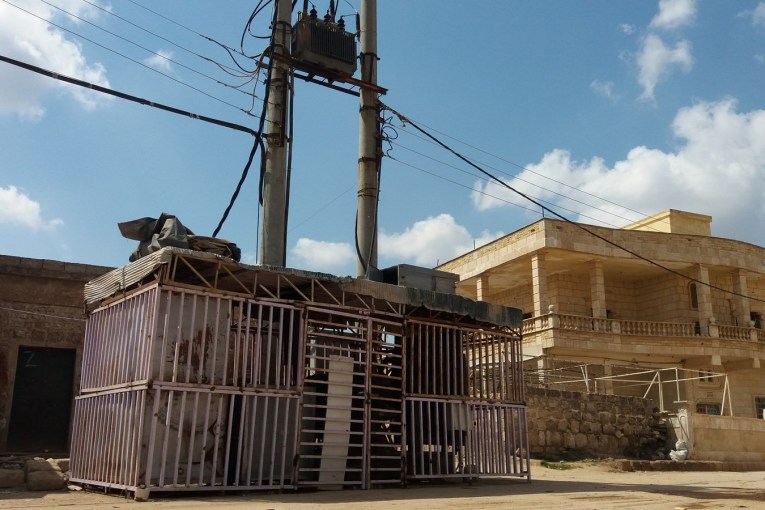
{"type": "Point", "coordinates": [694, 297]}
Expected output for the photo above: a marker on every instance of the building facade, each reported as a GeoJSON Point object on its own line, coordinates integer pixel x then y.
{"type": "Point", "coordinates": [42, 325]}
{"type": "Point", "coordinates": [683, 325]}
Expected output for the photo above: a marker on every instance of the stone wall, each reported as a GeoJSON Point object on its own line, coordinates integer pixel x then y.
{"type": "Point", "coordinates": [592, 424]}
{"type": "Point", "coordinates": [41, 305]}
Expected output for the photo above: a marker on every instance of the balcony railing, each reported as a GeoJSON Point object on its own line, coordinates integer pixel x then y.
{"type": "Point", "coordinates": [637, 328]}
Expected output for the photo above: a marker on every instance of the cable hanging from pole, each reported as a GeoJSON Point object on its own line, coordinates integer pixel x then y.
{"type": "Point", "coordinates": [502, 183]}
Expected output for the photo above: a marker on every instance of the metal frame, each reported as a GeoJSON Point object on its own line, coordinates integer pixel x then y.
{"type": "Point", "coordinates": [209, 377]}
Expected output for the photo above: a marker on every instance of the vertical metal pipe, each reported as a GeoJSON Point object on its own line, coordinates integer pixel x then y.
{"type": "Point", "coordinates": [216, 440]}
{"type": "Point", "coordinates": [273, 441]}
{"type": "Point", "coordinates": [255, 419]}
{"type": "Point", "coordinates": [192, 438]}
{"type": "Point", "coordinates": [166, 438]}
{"type": "Point", "coordinates": [204, 449]}
{"type": "Point", "coordinates": [161, 360]}
{"type": "Point", "coordinates": [203, 343]}
{"type": "Point", "coordinates": [152, 438]}
{"type": "Point", "coordinates": [269, 336]}
{"type": "Point", "coordinates": [278, 357]}
{"type": "Point", "coordinates": [138, 438]}
{"type": "Point", "coordinates": [190, 341]}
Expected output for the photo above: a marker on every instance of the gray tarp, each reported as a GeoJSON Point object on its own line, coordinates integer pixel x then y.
{"type": "Point", "coordinates": [153, 234]}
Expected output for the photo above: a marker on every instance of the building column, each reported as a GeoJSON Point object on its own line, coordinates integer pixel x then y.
{"type": "Point", "coordinates": [704, 294]}
{"type": "Point", "coordinates": [482, 288]}
{"type": "Point", "coordinates": [597, 289]}
{"type": "Point", "coordinates": [741, 303]}
{"type": "Point", "coordinates": [539, 283]}
{"type": "Point", "coordinates": [608, 384]}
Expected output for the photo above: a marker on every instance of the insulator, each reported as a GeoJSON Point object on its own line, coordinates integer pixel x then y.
{"type": "Point", "coordinates": [327, 18]}
{"type": "Point", "coordinates": [313, 14]}
{"type": "Point", "coordinates": [341, 24]}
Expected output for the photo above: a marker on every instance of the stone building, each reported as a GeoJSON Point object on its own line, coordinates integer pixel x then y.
{"type": "Point", "coordinates": [42, 326]}
{"type": "Point", "coordinates": [682, 326]}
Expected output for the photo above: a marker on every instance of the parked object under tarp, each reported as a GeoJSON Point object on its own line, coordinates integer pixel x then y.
{"type": "Point", "coordinates": [153, 234]}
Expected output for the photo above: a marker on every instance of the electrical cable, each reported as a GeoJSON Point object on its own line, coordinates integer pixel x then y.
{"type": "Point", "coordinates": [212, 61]}
{"type": "Point", "coordinates": [290, 135]}
{"type": "Point", "coordinates": [129, 58]}
{"type": "Point", "coordinates": [506, 201]}
{"type": "Point", "coordinates": [320, 209]}
{"type": "Point", "coordinates": [524, 168]}
{"type": "Point", "coordinates": [580, 226]}
{"type": "Point", "coordinates": [258, 142]}
{"type": "Point", "coordinates": [122, 95]}
{"type": "Point", "coordinates": [210, 39]}
{"type": "Point", "coordinates": [179, 64]}
{"type": "Point", "coordinates": [446, 179]}
{"type": "Point", "coordinates": [530, 183]}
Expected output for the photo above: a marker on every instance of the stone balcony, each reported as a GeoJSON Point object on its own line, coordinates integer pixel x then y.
{"type": "Point", "coordinates": [558, 321]}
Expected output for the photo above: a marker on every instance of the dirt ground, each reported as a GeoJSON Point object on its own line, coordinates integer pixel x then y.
{"type": "Point", "coordinates": [586, 486]}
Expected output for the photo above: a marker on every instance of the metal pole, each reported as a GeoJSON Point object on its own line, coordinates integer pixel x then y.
{"type": "Point", "coordinates": [369, 162]}
{"type": "Point", "coordinates": [272, 247]}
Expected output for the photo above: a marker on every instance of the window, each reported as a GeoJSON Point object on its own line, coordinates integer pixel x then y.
{"type": "Point", "coordinates": [706, 376]}
{"type": "Point", "coordinates": [759, 407]}
{"type": "Point", "coordinates": [693, 295]}
{"type": "Point", "coordinates": [705, 408]}
{"type": "Point", "coordinates": [756, 317]}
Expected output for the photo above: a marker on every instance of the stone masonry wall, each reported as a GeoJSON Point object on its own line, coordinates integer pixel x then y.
{"type": "Point", "coordinates": [603, 425]}
{"type": "Point", "coordinates": [41, 305]}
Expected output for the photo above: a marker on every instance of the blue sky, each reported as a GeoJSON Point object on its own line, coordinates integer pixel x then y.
{"type": "Point", "coordinates": [606, 110]}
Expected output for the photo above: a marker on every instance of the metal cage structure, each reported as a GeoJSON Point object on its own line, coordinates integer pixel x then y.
{"type": "Point", "coordinates": [203, 374]}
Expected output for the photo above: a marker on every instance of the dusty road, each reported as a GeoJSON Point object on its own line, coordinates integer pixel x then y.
{"type": "Point", "coordinates": [588, 486]}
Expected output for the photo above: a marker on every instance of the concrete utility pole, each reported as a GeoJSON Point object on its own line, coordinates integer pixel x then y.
{"type": "Point", "coordinates": [273, 240]}
{"type": "Point", "coordinates": [369, 160]}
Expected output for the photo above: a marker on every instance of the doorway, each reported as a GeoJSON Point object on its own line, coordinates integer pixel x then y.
{"type": "Point", "coordinates": [42, 400]}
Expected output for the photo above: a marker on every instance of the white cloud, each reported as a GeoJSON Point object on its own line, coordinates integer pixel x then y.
{"type": "Point", "coordinates": [717, 169]}
{"type": "Point", "coordinates": [628, 29]}
{"type": "Point", "coordinates": [674, 14]}
{"type": "Point", "coordinates": [655, 59]}
{"type": "Point", "coordinates": [758, 15]}
{"type": "Point", "coordinates": [605, 89]}
{"type": "Point", "coordinates": [17, 208]}
{"type": "Point", "coordinates": [760, 57]}
{"type": "Point", "coordinates": [30, 39]}
{"type": "Point", "coordinates": [322, 255]}
{"type": "Point", "coordinates": [160, 61]}
{"type": "Point", "coordinates": [435, 239]}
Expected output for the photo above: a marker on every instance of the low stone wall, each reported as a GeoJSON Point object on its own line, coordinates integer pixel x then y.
{"type": "Point", "coordinates": [602, 425]}
{"type": "Point", "coordinates": [36, 474]}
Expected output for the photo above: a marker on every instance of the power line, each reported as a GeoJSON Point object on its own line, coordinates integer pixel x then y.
{"type": "Point", "coordinates": [131, 59]}
{"type": "Point", "coordinates": [488, 180]}
{"type": "Point", "coordinates": [530, 183]}
{"type": "Point", "coordinates": [200, 73]}
{"type": "Point", "coordinates": [502, 183]}
{"type": "Point", "coordinates": [225, 68]}
{"type": "Point", "coordinates": [122, 95]}
{"type": "Point", "coordinates": [526, 169]}
{"type": "Point", "coordinates": [208, 38]}
{"type": "Point", "coordinates": [433, 174]}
